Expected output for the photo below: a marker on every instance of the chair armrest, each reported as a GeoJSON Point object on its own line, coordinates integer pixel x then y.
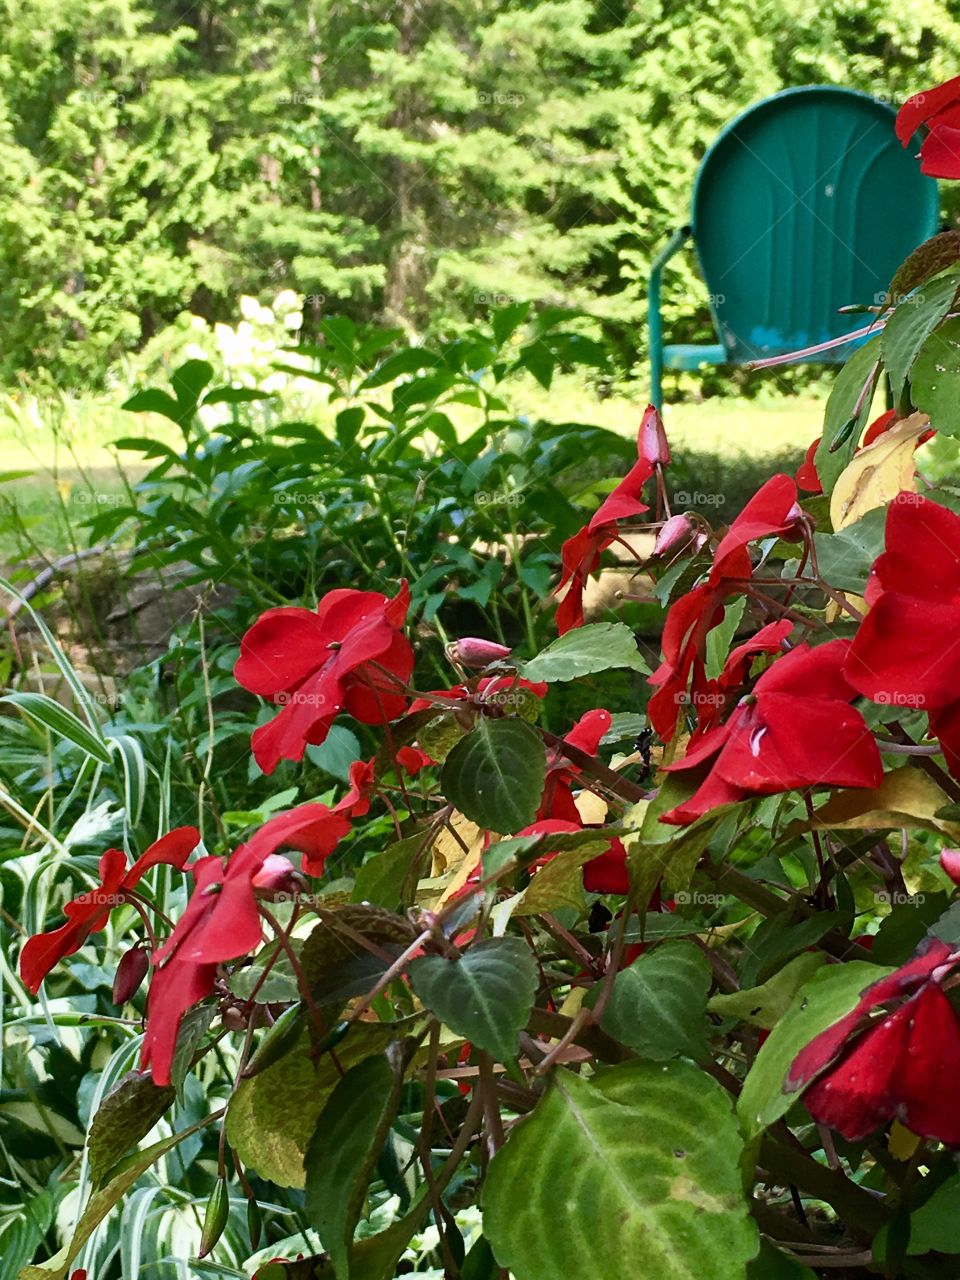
{"type": "Point", "coordinates": [654, 318]}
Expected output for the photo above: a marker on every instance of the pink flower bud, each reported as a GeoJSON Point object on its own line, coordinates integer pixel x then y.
{"type": "Point", "coordinates": [652, 439]}
{"type": "Point", "coordinates": [950, 861]}
{"type": "Point", "coordinates": [276, 875]}
{"type": "Point", "coordinates": [675, 532]}
{"type": "Point", "coordinates": [131, 971]}
{"type": "Point", "coordinates": [471, 651]}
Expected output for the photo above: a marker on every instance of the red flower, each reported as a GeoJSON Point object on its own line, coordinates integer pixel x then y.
{"type": "Point", "coordinates": [905, 651]}
{"type": "Point", "coordinates": [796, 730]}
{"type": "Point", "coordinates": [807, 476]}
{"type": "Point", "coordinates": [712, 699]}
{"type": "Point", "coordinates": [317, 664]}
{"type": "Point", "coordinates": [315, 829]}
{"type": "Point", "coordinates": [939, 110]}
{"type": "Point", "coordinates": [580, 555]}
{"type": "Point", "coordinates": [606, 873]}
{"type": "Point", "coordinates": [950, 862]}
{"type": "Point", "coordinates": [89, 912]}
{"type": "Point", "coordinates": [557, 800]}
{"type": "Point", "coordinates": [222, 920]}
{"type": "Point", "coordinates": [772, 511]}
{"type": "Point", "coordinates": [867, 1070]}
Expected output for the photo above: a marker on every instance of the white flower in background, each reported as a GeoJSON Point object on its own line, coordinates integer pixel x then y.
{"type": "Point", "coordinates": [286, 300]}
{"type": "Point", "coordinates": [293, 320]}
{"type": "Point", "coordinates": [248, 307]}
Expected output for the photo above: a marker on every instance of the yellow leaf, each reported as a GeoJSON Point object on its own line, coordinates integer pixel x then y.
{"type": "Point", "coordinates": [901, 1143]}
{"type": "Point", "coordinates": [591, 808]}
{"type": "Point", "coordinates": [879, 472]}
{"type": "Point", "coordinates": [455, 854]}
{"type": "Point", "coordinates": [907, 797]}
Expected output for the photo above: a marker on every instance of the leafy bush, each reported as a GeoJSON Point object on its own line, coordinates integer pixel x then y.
{"type": "Point", "coordinates": [690, 976]}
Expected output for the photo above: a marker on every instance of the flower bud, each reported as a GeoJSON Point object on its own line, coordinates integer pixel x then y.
{"type": "Point", "coordinates": [215, 1218]}
{"type": "Point", "coordinates": [276, 875]}
{"type": "Point", "coordinates": [652, 439]}
{"type": "Point", "coordinates": [950, 861]}
{"type": "Point", "coordinates": [675, 532]}
{"type": "Point", "coordinates": [471, 651]}
{"type": "Point", "coordinates": [233, 1019]}
{"type": "Point", "coordinates": [131, 971]}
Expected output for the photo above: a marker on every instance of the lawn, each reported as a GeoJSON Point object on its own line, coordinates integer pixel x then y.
{"type": "Point", "coordinates": [74, 471]}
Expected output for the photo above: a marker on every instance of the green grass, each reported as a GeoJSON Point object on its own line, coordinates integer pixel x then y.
{"type": "Point", "coordinates": [64, 444]}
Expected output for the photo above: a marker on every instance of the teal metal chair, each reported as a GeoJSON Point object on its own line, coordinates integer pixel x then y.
{"type": "Point", "coordinates": [804, 204]}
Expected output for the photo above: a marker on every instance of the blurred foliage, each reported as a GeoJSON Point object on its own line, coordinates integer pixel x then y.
{"type": "Point", "coordinates": [418, 162]}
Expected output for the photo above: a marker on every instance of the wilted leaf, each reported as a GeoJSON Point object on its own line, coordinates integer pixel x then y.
{"type": "Point", "coordinates": [126, 1115]}
{"type": "Point", "coordinates": [907, 797]}
{"type": "Point", "coordinates": [879, 472]}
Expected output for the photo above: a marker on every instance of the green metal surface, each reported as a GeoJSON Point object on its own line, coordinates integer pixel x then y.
{"type": "Point", "coordinates": [804, 204]}
{"type": "Point", "coordinates": [694, 355]}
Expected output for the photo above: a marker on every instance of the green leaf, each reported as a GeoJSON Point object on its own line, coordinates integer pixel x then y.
{"type": "Point", "coordinates": [272, 1116]}
{"type": "Point", "coordinates": [495, 775]}
{"type": "Point", "coordinates": [343, 1153]}
{"type": "Point", "coordinates": [126, 1115]}
{"type": "Point", "coordinates": [829, 994]}
{"type": "Point", "coordinates": [486, 995]}
{"type": "Point", "coordinates": [639, 1162]}
{"type": "Point", "coordinates": [658, 1004]}
{"type": "Point", "coordinates": [100, 1204]}
{"type": "Point", "coordinates": [935, 381]}
{"type": "Point", "coordinates": [912, 323]}
{"type": "Point", "coordinates": [765, 1005]}
{"type": "Point", "coordinates": [845, 558]}
{"type": "Point", "coordinates": [721, 638]}
{"type": "Point", "coordinates": [153, 401]}
{"type": "Point", "coordinates": [52, 715]}
{"type": "Point", "coordinates": [278, 987]}
{"type": "Point", "coordinates": [771, 1264]}
{"type": "Point", "coordinates": [598, 646]}
{"type": "Point", "coordinates": [847, 412]}
{"type": "Point", "coordinates": [390, 878]}
{"type": "Point", "coordinates": [656, 850]}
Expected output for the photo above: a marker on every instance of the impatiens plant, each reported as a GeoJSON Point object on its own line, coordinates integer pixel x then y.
{"type": "Point", "coordinates": [664, 990]}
